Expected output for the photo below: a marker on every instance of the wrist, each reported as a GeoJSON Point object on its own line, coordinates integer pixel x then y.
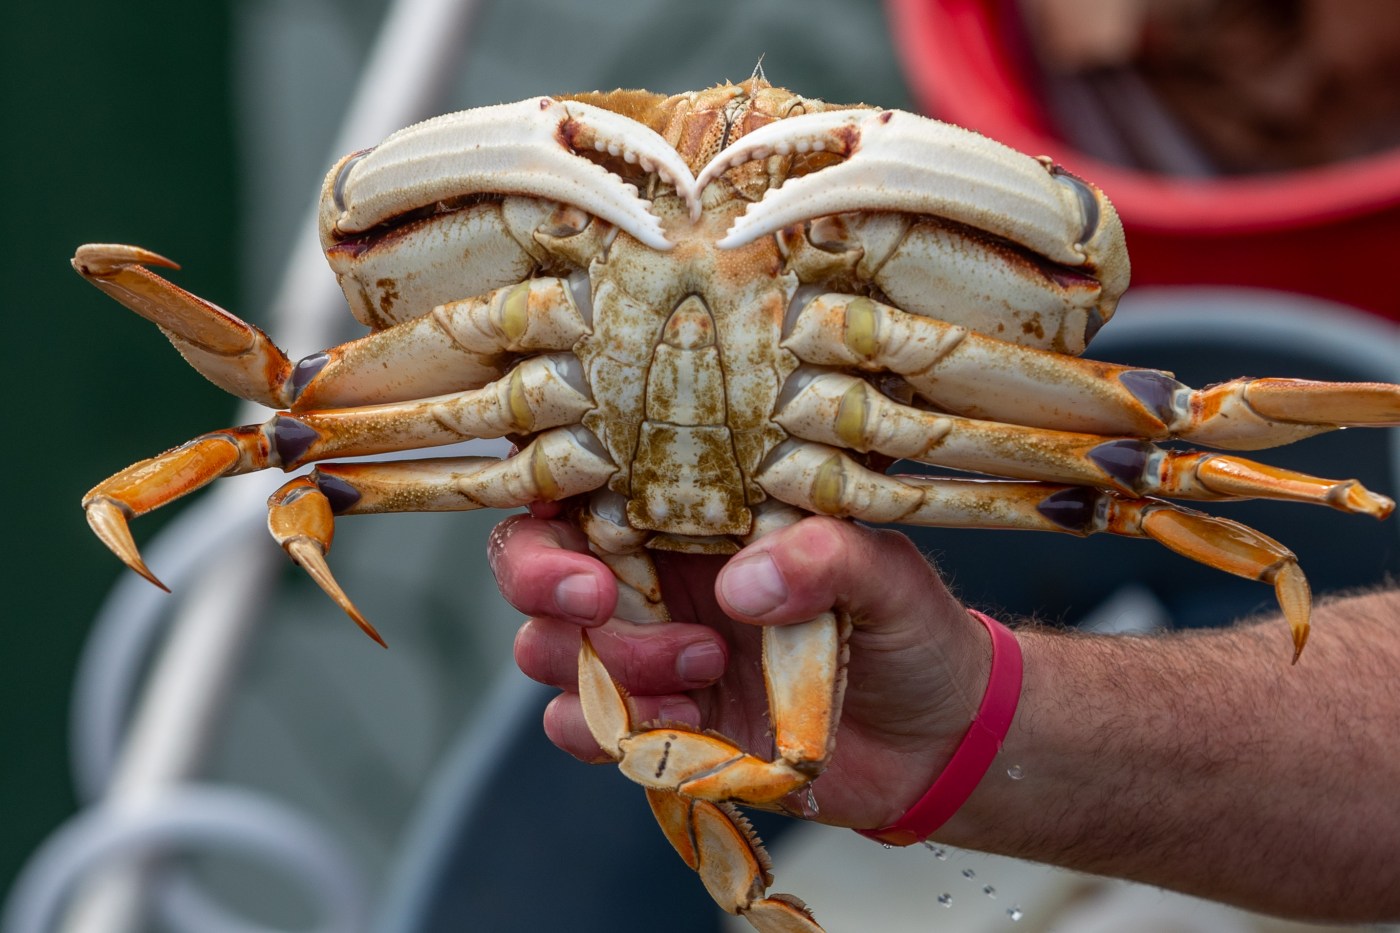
{"type": "Point", "coordinates": [976, 750]}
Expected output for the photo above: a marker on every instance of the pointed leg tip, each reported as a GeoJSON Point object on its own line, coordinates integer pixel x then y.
{"type": "Point", "coordinates": [1300, 638]}
{"type": "Point", "coordinates": [108, 521]}
{"type": "Point", "coordinates": [311, 557]}
{"type": "Point", "coordinates": [145, 571]}
{"type": "Point", "coordinates": [135, 562]}
{"type": "Point", "coordinates": [371, 631]}
{"type": "Point", "coordinates": [98, 259]}
{"type": "Point", "coordinates": [1295, 599]}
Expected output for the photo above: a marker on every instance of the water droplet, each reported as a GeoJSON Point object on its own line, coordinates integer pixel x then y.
{"type": "Point", "coordinates": [886, 845]}
{"type": "Point", "coordinates": [969, 873]}
{"type": "Point", "coordinates": [812, 808]}
{"type": "Point", "coordinates": [1015, 772]}
{"type": "Point", "coordinates": [1015, 913]}
{"type": "Point", "coordinates": [990, 891]}
{"type": "Point", "coordinates": [946, 900]}
{"type": "Point", "coordinates": [938, 851]}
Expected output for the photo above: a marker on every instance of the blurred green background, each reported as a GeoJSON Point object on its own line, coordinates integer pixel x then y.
{"type": "Point", "coordinates": [120, 129]}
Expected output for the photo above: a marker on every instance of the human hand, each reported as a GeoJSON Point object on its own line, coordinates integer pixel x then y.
{"type": "Point", "coordinates": [918, 663]}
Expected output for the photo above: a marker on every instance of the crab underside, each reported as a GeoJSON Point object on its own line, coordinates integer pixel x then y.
{"type": "Point", "coordinates": [702, 317]}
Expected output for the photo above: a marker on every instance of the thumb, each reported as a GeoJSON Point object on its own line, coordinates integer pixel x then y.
{"type": "Point", "coordinates": [877, 577]}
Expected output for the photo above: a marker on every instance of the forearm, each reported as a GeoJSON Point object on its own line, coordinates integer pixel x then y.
{"type": "Point", "coordinates": [1207, 764]}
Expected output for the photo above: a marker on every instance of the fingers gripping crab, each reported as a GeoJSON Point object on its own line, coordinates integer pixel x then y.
{"type": "Point", "coordinates": [701, 317]}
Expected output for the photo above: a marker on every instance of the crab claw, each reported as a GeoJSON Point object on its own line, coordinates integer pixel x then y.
{"type": "Point", "coordinates": [902, 162]}
{"type": "Point", "coordinates": [527, 148]}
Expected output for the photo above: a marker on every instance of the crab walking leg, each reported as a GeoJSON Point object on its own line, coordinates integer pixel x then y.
{"type": "Point", "coordinates": [1233, 414]}
{"type": "Point", "coordinates": [622, 547]}
{"type": "Point", "coordinates": [557, 464]}
{"type": "Point", "coordinates": [461, 344]}
{"type": "Point", "coordinates": [718, 843]}
{"type": "Point", "coordinates": [159, 480]}
{"type": "Point", "coordinates": [540, 393]}
{"type": "Point", "coordinates": [234, 355]}
{"type": "Point", "coordinates": [804, 696]}
{"type": "Point", "coordinates": [982, 377]}
{"type": "Point", "coordinates": [711, 767]}
{"type": "Point", "coordinates": [845, 411]}
{"type": "Point", "coordinates": [710, 835]}
{"type": "Point", "coordinates": [825, 480]}
{"type": "Point", "coordinates": [457, 345]}
{"type": "Point", "coordinates": [676, 758]}
{"type": "Point", "coordinates": [802, 666]}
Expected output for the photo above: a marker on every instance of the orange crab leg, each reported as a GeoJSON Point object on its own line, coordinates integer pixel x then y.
{"type": "Point", "coordinates": [302, 521]}
{"type": "Point", "coordinates": [845, 411]}
{"type": "Point", "coordinates": [234, 355]}
{"type": "Point", "coordinates": [538, 394]}
{"type": "Point", "coordinates": [152, 483]}
{"type": "Point", "coordinates": [457, 345]}
{"type": "Point", "coordinates": [982, 377]}
{"type": "Point", "coordinates": [825, 480]}
{"type": "Point", "coordinates": [1250, 413]}
{"type": "Point", "coordinates": [709, 834]}
{"type": "Point", "coordinates": [556, 465]}
{"type": "Point", "coordinates": [803, 667]}
{"type": "Point", "coordinates": [718, 843]}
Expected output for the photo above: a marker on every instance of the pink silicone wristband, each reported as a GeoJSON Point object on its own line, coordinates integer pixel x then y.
{"type": "Point", "coordinates": [974, 754]}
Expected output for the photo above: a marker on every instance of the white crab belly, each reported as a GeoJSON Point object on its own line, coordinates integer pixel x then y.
{"type": "Point", "coordinates": [687, 374]}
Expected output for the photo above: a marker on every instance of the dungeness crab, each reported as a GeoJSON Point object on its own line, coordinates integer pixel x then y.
{"type": "Point", "coordinates": [700, 317]}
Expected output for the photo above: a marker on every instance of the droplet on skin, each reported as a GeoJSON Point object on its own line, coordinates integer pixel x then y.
{"type": "Point", "coordinates": [946, 900]}
{"type": "Point", "coordinates": [1015, 772]}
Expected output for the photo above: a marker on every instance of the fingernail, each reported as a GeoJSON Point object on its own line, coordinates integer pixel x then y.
{"type": "Point", "coordinates": [577, 595]}
{"type": "Point", "coordinates": [752, 585]}
{"type": "Point", "coordinates": [702, 663]}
